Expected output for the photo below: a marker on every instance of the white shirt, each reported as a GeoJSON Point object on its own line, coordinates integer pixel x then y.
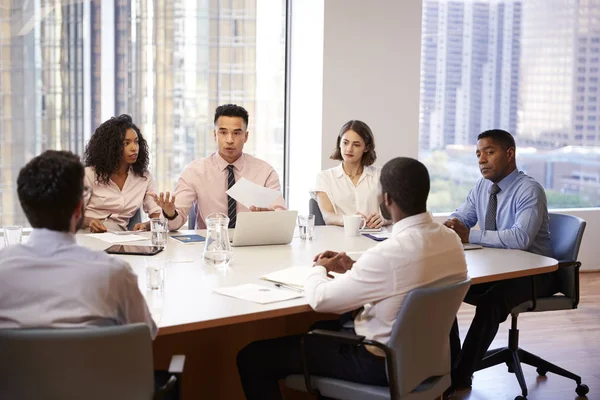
{"type": "Point", "coordinates": [123, 203]}
{"type": "Point", "coordinates": [418, 252]}
{"type": "Point", "coordinates": [346, 198]}
{"type": "Point", "coordinates": [50, 281]}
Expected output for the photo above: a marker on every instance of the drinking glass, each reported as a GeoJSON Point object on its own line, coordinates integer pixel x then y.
{"type": "Point", "coordinates": [12, 234]}
{"type": "Point", "coordinates": [306, 225]}
{"type": "Point", "coordinates": [158, 226]}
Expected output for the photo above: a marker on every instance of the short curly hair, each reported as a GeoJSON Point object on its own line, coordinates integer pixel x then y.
{"type": "Point", "coordinates": [104, 151]}
{"type": "Point", "coordinates": [50, 187]}
{"type": "Point", "coordinates": [365, 133]}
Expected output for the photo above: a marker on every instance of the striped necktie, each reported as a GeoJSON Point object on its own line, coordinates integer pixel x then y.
{"type": "Point", "coordinates": [231, 203]}
{"type": "Point", "coordinates": [492, 208]}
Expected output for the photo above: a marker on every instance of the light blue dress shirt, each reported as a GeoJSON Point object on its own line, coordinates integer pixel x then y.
{"type": "Point", "coordinates": [521, 218]}
{"type": "Point", "coordinates": [51, 281]}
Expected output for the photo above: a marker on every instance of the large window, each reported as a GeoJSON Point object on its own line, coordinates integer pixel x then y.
{"type": "Point", "coordinates": [66, 66]}
{"type": "Point", "coordinates": [527, 66]}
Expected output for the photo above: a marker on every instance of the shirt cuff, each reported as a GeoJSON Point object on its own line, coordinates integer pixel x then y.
{"type": "Point", "coordinates": [318, 270]}
{"type": "Point", "coordinates": [475, 236]}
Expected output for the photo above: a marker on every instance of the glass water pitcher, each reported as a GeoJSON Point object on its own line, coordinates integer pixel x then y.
{"type": "Point", "coordinates": [217, 249]}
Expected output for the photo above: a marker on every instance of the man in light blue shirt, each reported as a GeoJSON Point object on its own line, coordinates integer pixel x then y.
{"type": "Point", "coordinates": [511, 210]}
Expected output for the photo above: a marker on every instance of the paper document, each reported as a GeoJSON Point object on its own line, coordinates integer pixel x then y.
{"type": "Point", "coordinates": [251, 194]}
{"type": "Point", "coordinates": [113, 238]}
{"type": "Point", "coordinates": [293, 276]}
{"type": "Point", "coordinates": [257, 293]}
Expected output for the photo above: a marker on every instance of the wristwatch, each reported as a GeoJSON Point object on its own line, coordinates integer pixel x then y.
{"type": "Point", "coordinates": [172, 217]}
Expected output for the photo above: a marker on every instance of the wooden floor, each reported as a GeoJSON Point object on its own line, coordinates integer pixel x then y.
{"type": "Point", "coordinates": [570, 339]}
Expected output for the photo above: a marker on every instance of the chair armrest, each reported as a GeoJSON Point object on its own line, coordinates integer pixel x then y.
{"type": "Point", "coordinates": [177, 362]}
{"type": "Point", "coordinates": [171, 388]}
{"type": "Point", "coordinates": [344, 337]}
{"type": "Point", "coordinates": [355, 340]}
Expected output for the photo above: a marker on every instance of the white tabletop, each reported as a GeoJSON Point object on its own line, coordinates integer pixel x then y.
{"type": "Point", "coordinates": [189, 303]}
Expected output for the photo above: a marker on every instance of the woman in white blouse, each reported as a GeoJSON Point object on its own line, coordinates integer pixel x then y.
{"type": "Point", "coordinates": [116, 173]}
{"type": "Point", "coordinates": [351, 187]}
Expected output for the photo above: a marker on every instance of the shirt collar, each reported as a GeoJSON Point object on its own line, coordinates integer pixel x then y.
{"type": "Point", "coordinates": [418, 219]}
{"type": "Point", "coordinates": [222, 163]}
{"type": "Point", "coordinates": [506, 182]}
{"type": "Point", "coordinates": [46, 237]}
{"type": "Point", "coordinates": [339, 171]}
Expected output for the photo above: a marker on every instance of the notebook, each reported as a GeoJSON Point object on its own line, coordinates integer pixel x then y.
{"type": "Point", "coordinates": [187, 239]}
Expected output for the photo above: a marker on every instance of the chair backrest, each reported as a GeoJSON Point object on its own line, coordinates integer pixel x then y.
{"type": "Point", "coordinates": [420, 336]}
{"type": "Point", "coordinates": [313, 208]}
{"type": "Point", "coordinates": [136, 219]}
{"type": "Point", "coordinates": [566, 232]}
{"type": "Point", "coordinates": [77, 363]}
{"type": "Point", "coordinates": [192, 217]}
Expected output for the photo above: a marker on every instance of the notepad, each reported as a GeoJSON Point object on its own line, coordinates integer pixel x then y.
{"type": "Point", "coordinates": [112, 238]}
{"type": "Point", "coordinates": [188, 239]}
{"type": "Point", "coordinates": [471, 246]}
{"type": "Point", "coordinates": [257, 293]}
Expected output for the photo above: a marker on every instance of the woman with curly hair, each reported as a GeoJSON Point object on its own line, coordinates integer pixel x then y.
{"type": "Point", "coordinates": [116, 159]}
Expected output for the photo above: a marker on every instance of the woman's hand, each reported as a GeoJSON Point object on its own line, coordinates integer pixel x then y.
{"type": "Point", "coordinates": [96, 226]}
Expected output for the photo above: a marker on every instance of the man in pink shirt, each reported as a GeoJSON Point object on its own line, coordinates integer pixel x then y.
{"type": "Point", "coordinates": [206, 180]}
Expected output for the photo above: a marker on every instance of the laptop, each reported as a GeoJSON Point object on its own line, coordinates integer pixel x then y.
{"type": "Point", "coordinates": [264, 228]}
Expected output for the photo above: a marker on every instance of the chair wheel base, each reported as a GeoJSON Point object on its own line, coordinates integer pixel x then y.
{"type": "Point", "coordinates": [520, 398]}
{"type": "Point", "coordinates": [541, 371]}
{"type": "Point", "coordinates": [582, 389]}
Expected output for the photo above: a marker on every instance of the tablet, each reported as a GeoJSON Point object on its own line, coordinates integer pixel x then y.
{"type": "Point", "coordinates": [133, 249]}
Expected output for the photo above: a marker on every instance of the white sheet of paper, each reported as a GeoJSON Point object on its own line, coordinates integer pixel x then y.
{"type": "Point", "coordinates": [251, 194]}
{"type": "Point", "coordinates": [257, 293]}
{"type": "Point", "coordinates": [294, 276]}
{"type": "Point", "coordinates": [112, 238]}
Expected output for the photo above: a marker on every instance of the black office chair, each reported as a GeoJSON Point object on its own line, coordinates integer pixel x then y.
{"type": "Point", "coordinates": [136, 219]}
{"type": "Point", "coordinates": [566, 232]}
{"type": "Point", "coordinates": [192, 217]}
{"type": "Point", "coordinates": [100, 363]}
{"type": "Point", "coordinates": [313, 208]}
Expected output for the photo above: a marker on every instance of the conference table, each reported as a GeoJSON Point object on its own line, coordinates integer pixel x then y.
{"type": "Point", "coordinates": [210, 328]}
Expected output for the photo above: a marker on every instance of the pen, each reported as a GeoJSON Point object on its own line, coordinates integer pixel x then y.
{"type": "Point", "coordinates": [107, 217]}
{"type": "Point", "coordinates": [284, 286]}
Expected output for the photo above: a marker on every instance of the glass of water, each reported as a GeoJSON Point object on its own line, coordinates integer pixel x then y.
{"type": "Point", "coordinates": [158, 226]}
{"type": "Point", "coordinates": [306, 225]}
{"type": "Point", "coordinates": [155, 275]}
{"type": "Point", "coordinates": [12, 234]}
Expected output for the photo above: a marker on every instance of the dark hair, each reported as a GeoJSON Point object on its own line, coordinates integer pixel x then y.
{"type": "Point", "coordinates": [365, 133]}
{"type": "Point", "coordinates": [104, 151]}
{"type": "Point", "coordinates": [503, 138]}
{"type": "Point", "coordinates": [50, 187]}
{"type": "Point", "coordinates": [406, 181]}
{"type": "Point", "coordinates": [231, 110]}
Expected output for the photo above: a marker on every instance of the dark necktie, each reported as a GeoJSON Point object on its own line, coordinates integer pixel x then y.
{"type": "Point", "coordinates": [231, 203]}
{"type": "Point", "coordinates": [492, 208]}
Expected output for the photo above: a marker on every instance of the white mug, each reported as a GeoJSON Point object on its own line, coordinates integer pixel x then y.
{"type": "Point", "coordinates": [353, 224]}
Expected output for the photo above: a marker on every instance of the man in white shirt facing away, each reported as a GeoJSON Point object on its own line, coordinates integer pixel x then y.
{"type": "Point", "coordinates": [418, 252]}
{"type": "Point", "coordinates": [50, 281]}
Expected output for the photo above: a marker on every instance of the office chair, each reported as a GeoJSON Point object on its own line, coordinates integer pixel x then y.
{"type": "Point", "coordinates": [192, 217]}
{"type": "Point", "coordinates": [417, 355]}
{"type": "Point", "coordinates": [566, 232]}
{"type": "Point", "coordinates": [313, 208]}
{"type": "Point", "coordinates": [81, 363]}
{"type": "Point", "coordinates": [136, 219]}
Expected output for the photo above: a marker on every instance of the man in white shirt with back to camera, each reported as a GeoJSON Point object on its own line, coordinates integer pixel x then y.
{"type": "Point", "coordinates": [418, 252]}
{"type": "Point", "coordinates": [51, 281]}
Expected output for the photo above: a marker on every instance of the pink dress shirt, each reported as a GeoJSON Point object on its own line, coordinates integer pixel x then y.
{"type": "Point", "coordinates": [205, 181]}
{"type": "Point", "coordinates": [123, 204]}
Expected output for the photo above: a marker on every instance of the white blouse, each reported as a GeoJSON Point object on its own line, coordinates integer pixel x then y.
{"type": "Point", "coordinates": [346, 198]}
